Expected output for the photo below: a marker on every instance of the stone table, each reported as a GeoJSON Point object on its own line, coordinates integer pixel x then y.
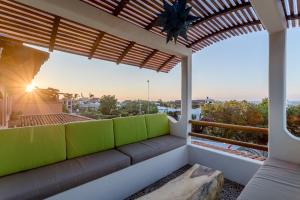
{"type": "Point", "coordinates": [198, 183]}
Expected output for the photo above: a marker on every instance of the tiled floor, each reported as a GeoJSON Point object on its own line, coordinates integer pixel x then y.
{"type": "Point", "coordinates": [230, 191]}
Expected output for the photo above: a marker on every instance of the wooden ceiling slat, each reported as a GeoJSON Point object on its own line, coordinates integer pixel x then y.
{"type": "Point", "coordinates": [225, 30]}
{"type": "Point", "coordinates": [66, 43]}
{"type": "Point", "coordinates": [27, 13]}
{"type": "Point", "coordinates": [20, 36]}
{"type": "Point", "coordinates": [291, 7]}
{"type": "Point", "coordinates": [22, 31]}
{"type": "Point", "coordinates": [25, 9]}
{"type": "Point", "coordinates": [24, 27]}
{"type": "Point", "coordinates": [22, 18]}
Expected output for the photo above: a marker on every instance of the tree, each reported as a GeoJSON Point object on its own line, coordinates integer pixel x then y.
{"type": "Point", "coordinates": [293, 119]}
{"type": "Point", "coordinates": [108, 104]}
{"type": "Point", "coordinates": [137, 107]}
{"type": "Point", "coordinates": [234, 112]}
{"type": "Point", "coordinates": [263, 108]}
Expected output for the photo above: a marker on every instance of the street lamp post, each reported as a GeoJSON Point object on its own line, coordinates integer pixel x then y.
{"type": "Point", "coordinates": [148, 106]}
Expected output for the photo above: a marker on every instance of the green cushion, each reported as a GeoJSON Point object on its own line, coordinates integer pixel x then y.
{"type": "Point", "coordinates": [27, 148]}
{"type": "Point", "coordinates": [129, 130]}
{"type": "Point", "coordinates": [89, 137]}
{"type": "Point", "coordinates": [157, 125]}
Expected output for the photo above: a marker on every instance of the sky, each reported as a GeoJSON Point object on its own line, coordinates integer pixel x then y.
{"type": "Point", "coordinates": [236, 68]}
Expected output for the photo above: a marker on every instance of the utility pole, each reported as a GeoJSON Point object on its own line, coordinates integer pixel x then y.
{"type": "Point", "coordinates": [148, 106]}
{"type": "Point", "coordinates": [140, 107]}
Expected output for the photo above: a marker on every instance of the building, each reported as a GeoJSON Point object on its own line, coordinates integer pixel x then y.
{"type": "Point", "coordinates": [88, 103]}
{"type": "Point", "coordinates": [18, 65]}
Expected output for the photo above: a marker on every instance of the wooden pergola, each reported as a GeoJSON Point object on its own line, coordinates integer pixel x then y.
{"type": "Point", "coordinates": [219, 20]}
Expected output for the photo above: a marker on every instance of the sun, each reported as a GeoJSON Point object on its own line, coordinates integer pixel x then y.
{"type": "Point", "coordinates": [30, 87]}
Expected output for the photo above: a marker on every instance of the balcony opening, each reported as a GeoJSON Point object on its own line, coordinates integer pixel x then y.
{"type": "Point", "coordinates": [231, 79]}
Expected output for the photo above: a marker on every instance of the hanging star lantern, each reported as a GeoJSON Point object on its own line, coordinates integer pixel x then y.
{"type": "Point", "coordinates": [175, 20]}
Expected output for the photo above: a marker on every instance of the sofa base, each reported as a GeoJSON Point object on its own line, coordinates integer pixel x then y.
{"type": "Point", "coordinates": [130, 180]}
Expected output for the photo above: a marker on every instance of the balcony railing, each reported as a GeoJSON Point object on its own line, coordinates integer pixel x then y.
{"type": "Point", "coordinates": [244, 129]}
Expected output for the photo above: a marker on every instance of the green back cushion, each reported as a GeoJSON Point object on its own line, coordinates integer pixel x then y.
{"type": "Point", "coordinates": [157, 125]}
{"type": "Point", "coordinates": [89, 137]}
{"type": "Point", "coordinates": [129, 130]}
{"type": "Point", "coordinates": [27, 148]}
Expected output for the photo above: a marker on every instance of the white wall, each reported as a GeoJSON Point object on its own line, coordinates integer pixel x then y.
{"type": "Point", "coordinates": [235, 168]}
{"type": "Point", "coordinates": [130, 180]}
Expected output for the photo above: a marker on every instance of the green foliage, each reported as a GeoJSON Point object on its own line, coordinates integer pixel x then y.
{"type": "Point", "coordinates": [263, 108]}
{"type": "Point", "coordinates": [137, 107]}
{"type": "Point", "coordinates": [247, 114]}
{"type": "Point", "coordinates": [293, 119]}
{"type": "Point", "coordinates": [108, 104]}
{"type": "Point", "coordinates": [233, 112]}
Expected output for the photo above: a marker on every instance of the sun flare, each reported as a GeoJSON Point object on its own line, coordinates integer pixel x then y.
{"type": "Point", "coordinates": [30, 87]}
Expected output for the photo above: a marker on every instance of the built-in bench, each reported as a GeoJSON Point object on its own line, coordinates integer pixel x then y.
{"type": "Point", "coordinates": [275, 180]}
{"type": "Point", "coordinates": [38, 162]}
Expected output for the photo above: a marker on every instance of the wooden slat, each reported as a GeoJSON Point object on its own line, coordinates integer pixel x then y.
{"type": "Point", "coordinates": [54, 33]}
{"type": "Point", "coordinates": [96, 44]}
{"type": "Point", "coordinates": [165, 63]}
{"type": "Point", "coordinates": [131, 44]}
{"type": "Point", "coordinates": [222, 12]}
{"type": "Point", "coordinates": [230, 141]}
{"type": "Point", "coordinates": [251, 129]}
{"type": "Point", "coordinates": [256, 22]}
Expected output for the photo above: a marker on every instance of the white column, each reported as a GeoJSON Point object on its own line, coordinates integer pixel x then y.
{"type": "Point", "coordinates": [183, 127]}
{"type": "Point", "coordinates": [282, 144]}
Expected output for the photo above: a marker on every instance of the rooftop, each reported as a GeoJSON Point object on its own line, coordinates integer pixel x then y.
{"type": "Point", "coordinates": [49, 119]}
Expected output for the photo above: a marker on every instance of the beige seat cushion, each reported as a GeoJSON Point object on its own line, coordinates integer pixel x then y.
{"type": "Point", "coordinates": [146, 149]}
{"type": "Point", "coordinates": [275, 180]}
{"type": "Point", "coordinates": [49, 180]}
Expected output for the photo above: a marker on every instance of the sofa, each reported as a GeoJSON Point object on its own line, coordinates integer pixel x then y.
{"type": "Point", "coordinates": [275, 180]}
{"type": "Point", "coordinates": [38, 162]}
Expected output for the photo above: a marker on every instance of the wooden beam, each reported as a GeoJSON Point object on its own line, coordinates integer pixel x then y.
{"type": "Point", "coordinates": [165, 63]}
{"type": "Point", "coordinates": [151, 24]}
{"type": "Point", "coordinates": [231, 127]}
{"type": "Point", "coordinates": [116, 12]}
{"type": "Point", "coordinates": [120, 7]}
{"type": "Point", "coordinates": [230, 141]}
{"type": "Point", "coordinates": [293, 17]}
{"type": "Point", "coordinates": [252, 23]}
{"type": "Point", "coordinates": [96, 44]}
{"type": "Point", "coordinates": [54, 33]}
{"type": "Point", "coordinates": [148, 58]}
{"type": "Point", "coordinates": [125, 52]}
